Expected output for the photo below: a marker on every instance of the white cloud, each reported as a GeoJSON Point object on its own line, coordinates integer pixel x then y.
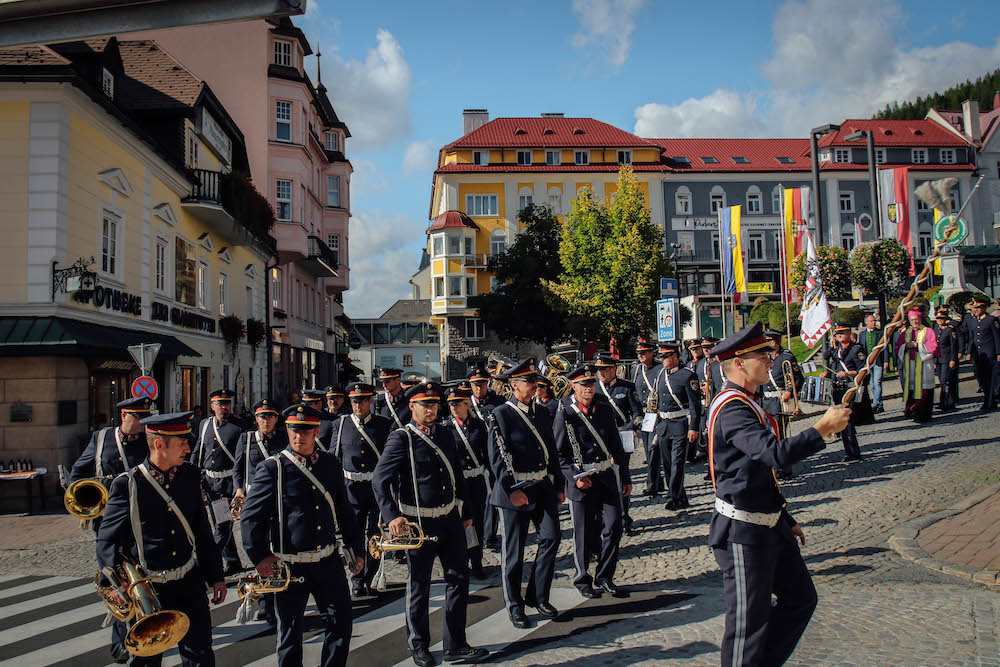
{"type": "Point", "coordinates": [372, 96]}
{"type": "Point", "coordinates": [819, 76]}
{"type": "Point", "coordinates": [419, 158]}
{"type": "Point", "coordinates": [607, 25]}
{"type": "Point", "coordinates": [384, 253]}
{"type": "Point", "coordinates": [367, 179]}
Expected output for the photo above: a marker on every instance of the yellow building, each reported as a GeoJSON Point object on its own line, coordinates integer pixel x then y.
{"type": "Point", "coordinates": [482, 182]}
{"type": "Point", "coordinates": [128, 219]}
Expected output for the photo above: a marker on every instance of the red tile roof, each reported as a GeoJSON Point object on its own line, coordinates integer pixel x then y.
{"type": "Point", "coordinates": [548, 131]}
{"type": "Point", "coordinates": [24, 56]}
{"type": "Point", "coordinates": [761, 155]}
{"type": "Point", "coordinates": [894, 133]}
{"type": "Point", "coordinates": [450, 219]}
{"type": "Point", "coordinates": [157, 80]}
{"type": "Point", "coordinates": [561, 168]}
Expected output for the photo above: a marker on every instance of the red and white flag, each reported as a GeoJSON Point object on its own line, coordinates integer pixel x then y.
{"type": "Point", "coordinates": [815, 313]}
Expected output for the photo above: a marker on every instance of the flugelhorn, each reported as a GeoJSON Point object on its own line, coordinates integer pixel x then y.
{"type": "Point", "coordinates": [412, 538]}
{"type": "Point", "coordinates": [256, 585]}
{"type": "Point", "coordinates": [153, 629]}
{"type": "Point", "coordinates": [86, 499]}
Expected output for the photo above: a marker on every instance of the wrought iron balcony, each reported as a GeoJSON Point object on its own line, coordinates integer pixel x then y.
{"type": "Point", "coordinates": [230, 206]}
{"type": "Point", "coordinates": [321, 261]}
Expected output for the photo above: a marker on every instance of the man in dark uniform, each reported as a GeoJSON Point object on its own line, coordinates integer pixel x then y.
{"type": "Point", "coordinates": [947, 362]}
{"type": "Point", "coordinates": [336, 401]}
{"type": "Point", "coordinates": [483, 400]}
{"type": "Point", "coordinates": [646, 374]}
{"type": "Point", "coordinates": [470, 437]}
{"type": "Point", "coordinates": [679, 405]}
{"type": "Point", "coordinates": [694, 353]}
{"type": "Point", "coordinates": [111, 452]}
{"type": "Point", "coordinates": [358, 442]}
{"type": "Point", "coordinates": [751, 533]}
{"type": "Point", "coordinates": [252, 449]}
{"type": "Point", "coordinates": [155, 519]}
{"type": "Point", "coordinates": [216, 456]}
{"type": "Point", "coordinates": [296, 506]}
{"type": "Point", "coordinates": [545, 395]}
{"type": "Point", "coordinates": [982, 333]}
{"type": "Point", "coordinates": [417, 459]}
{"type": "Point", "coordinates": [528, 488]}
{"type": "Point", "coordinates": [702, 370]}
{"type": "Point", "coordinates": [411, 380]}
{"type": "Point", "coordinates": [391, 403]}
{"type": "Point", "coordinates": [316, 399]}
{"type": "Point", "coordinates": [590, 453]}
{"type": "Point", "coordinates": [844, 360]}
{"type": "Point", "coordinates": [628, 415]}
{"type": "Point", "coordinates": [777, 390]}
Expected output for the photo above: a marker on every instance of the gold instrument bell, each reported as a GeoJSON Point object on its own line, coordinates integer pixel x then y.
{"type": "Point", "coordinates": [153, 629]}
{"type": "Point", "coordinates": [256, 585]}
{"type": "Point", "coordinates": [86, 499]}
{"type": "Point", "coordinates": [556, 367]}
{"type": "Point", "coordinates": [412, 538]}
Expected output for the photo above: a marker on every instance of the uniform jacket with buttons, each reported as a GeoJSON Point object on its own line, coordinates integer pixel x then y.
{"type": "Point", "coordinates": [308, 523]}
{"type": "Point", "coordinates": [401, 405]}
{"type": "Point", "coordinates": [643, 387]}
{"type": "Point", "coordinates": [624, 395]}
{"type": "Point", "coordinates": [475, 430]}
{"type": "Point", "coordinates": [840, 358]}
{"type": "Point", "coordinates": [948, 343]}
{"type": "Point", "coordinates": [136, 451]}
{"type": "Point", "coordinates": [209, 454]}
{"type": "Point", "coordinates": [745, 453]}
{"type": "Point", "coordinates": [982, 335]}
{"type": "Point", "coordinates": [434, 485]}
{"type": "Point", "coordinates": [684, 384]}
{"type": "Point", "coordinates": [526, 453]}
{"type": "Point", "coordinates": [249, 456]}
{"type": "Point", "coordinates": [603, 421]}
{"type": "Point", "coordinates": [776, 380]}
{"type": "Point", "coordinates": [356, 455]}
{"type": "Point", "coordinates": [482, 408]}
{"type": "Point", "coordinates": [165, 543]}
{"type": "Point", "coordinates": [326, 424]}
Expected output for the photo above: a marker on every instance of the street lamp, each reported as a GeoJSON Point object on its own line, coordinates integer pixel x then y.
{"type": "Point", "coordinates": [814, 135]}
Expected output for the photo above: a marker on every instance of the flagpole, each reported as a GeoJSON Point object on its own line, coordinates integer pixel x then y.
{"type": "Point", "coordinates": [783, 249]}
{"type": "Point", "coordinates": [722, 275]}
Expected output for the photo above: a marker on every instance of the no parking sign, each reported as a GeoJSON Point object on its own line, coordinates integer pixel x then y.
{"type": "Point", "coordinates": [145, 387]}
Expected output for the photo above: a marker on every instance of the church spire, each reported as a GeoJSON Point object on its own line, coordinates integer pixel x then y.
{"type": "Point", "coordinates": [319, 77]}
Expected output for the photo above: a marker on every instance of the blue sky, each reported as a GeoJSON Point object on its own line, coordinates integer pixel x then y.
{"type": "Point", "coordinates": [400, 73]}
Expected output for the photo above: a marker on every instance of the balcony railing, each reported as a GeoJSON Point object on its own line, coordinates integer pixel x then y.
{"type": "Point", "coordinates": [230, 205]}
{"type": "Point", "coordinates": [321, 260]}
{"type": "Point", "coordinates": [477, 261]}
{"type": "Point", "coordinates": [208, 188]}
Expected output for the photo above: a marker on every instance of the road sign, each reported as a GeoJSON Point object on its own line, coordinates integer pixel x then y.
{"type": "Point", "coordinates": [959, 235]}
{"type": "Point", "coordinates": [145, 387]}
{"type": "Point", "coordinates": [144, 355]}
{"type": "Point", "coordinates": [666, 320]}
{"type": "Point", "coordinates": [668, 288]}
{"type": "Point", "coordinates": [354, 341]}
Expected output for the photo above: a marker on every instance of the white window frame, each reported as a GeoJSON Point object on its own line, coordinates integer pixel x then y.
{"type": "Point", "coordinates": [276, 288]}
{"type": "Point", "coordinates": [223, 293]}
{"type": "Point", "coordinates": [439, 286]}
{"type": "Point", "coordinates": [624, 157]}
{"type": "Point", "coordinates": [482, 205]}
{"type": "Point", "coordinates": [524, 157]}
{"type": "Point", "coordinates": [717, 199]}
{"type": "Point", "coordinates": [481, 158]}
{"type": "Point", "coordinates": [525, 197]}
{"type": "Point", "coordinates": [333, 243]}
{"type": "Point", "coordinates": [553, 157]}
{"type": "Point", "coordinates": [554, 195]}
{"type": "Point", "coordinates": [922, 205]}
{"type": "Point", "coordinates": [201, 285]}
{"type": "Point", "coordinates": [716, 246]}
{"type": "Point", "coordinates": [470, 286]}
{"type": "Point", "coordinates": [110, 243]}
{"type": "Point", "coordinates": [108, 82]}
{"type": "Point", "coordinates": [407, 361]}
{"type": "Point", "coordinates": [284, 53]}
{"type": "Point", "coordinates": [250, 295]}
{"type": "Point", "coordinates": [331, 141]}
{"type": "Point", "coordinates": [453, 282]}
{"type": "Point", "coordinates": [333, 190]}
{"type": "Point", "coordinates": [454, 245]}
{"type": "Point", "coordinates": [581, 157]}
{"type": "Point", "coordinates": [498, 241]}
{"type": "Point", "coordinates": [918, 155]}
{"type": "Point", "coordinates": [283, 112]}
{"type": "Point", "coordinates": [754, 201]}
{"type": "Point", "coordinates": [880, 156]}
{"type": "Point", "coordinates": [478, 329]}
{"type": "Point", "coordinates": [437, 245]}
{"type": "Point", "coordinates": [286, 200]}
{"type": "Point", "coordinates": [925, 239]}
{"type": "Point", "coordinates": [192, 149]}
{"type": "Point", "coordinates": [682, 201]}
{"type": "Point", "coordinates": [776, 203]}
{"type": "Point", "coordinates": [756, 250]}
{"type": "Point", "coordinates": [846, 200]}
{"type": "Point", "coordinates": [161, 275]}
{"type": "Point", "coordinates": [948, 155]}
{"type": "Point", "coordinates": [842, 155]}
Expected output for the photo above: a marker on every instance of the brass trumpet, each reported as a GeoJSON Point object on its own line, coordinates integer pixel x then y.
{"type": "Point", "coordinates": [256, 585]}
{"type": "Point", "coordinates": [412, 538]}
{"type": "Point", "coordinates": [86, 499]}
{"type": "Point", "coordinates": [153, 629]}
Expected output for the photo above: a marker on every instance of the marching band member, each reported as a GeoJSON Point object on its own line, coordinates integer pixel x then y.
{"type": "Point", "coordinates": [252, 449]}
{"type": "Point", "coordinates": [470, 437]}
{"type": "Point", "coordinates": [590, 452]}
{"type": "Point", "coordinates": [155, 518]}
{"type": "Point", "coordinates": [752, 533]}
{"type": "Point", "coordinates": [358, 441]}
{"type": "Point", "coordinates": [216, 456]}
{"type": "Point", "coordinates": [628, 415]}
{"type": "Point", "coordinates": [695, 361]}
{"type": "Point", "coordinates": [982, 336]}
{"type": "Point", "coordinates": [845, 359]}
{"type": "Point", "coordinates": [483, 402]}
{"type": "Point", "coordinates": [315, 399]}
{"type": "Point", "coordinates": [416, 459]}
{"type": "Point", "coordinates": [545, 396]}
{"type": "Point", "coordinates": [336, 403]}
{"type": "Point", "coordinates": [646, 374]}
{"type": "Point", "coordinates": [947, 361]}
{"type": "Point", "coordinates": [296, 505]}
{"type": "Point", "coordinates": [391, 403]}
{"type": "Point", "coordinates": [679, 405]}
{"type": "Point", "coordinates": [529, 484]}
{"type": "Point", "coordinates": [776, 390]}
{"type": "Point", "coordinates": [111, 452]}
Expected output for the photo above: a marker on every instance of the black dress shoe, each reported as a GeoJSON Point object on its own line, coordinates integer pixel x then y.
{"type": "Point", "coordinates": [627, 525]}
{"type": "Point", "coordinates": [423, 658]}
{"type": "Point", "coordinates": [519, 620]}
{"type": "Point", "coordinates": [546, 609]}
{"type": "Point", "coordinates": [491, 543]}
{"type": "Point", "coordinates": [650, 492]}
{"type": "Point", "coordinates": [851, 459]}
{"type": "Point", "coordinates": [478, 573]}
{"type": "Point", "coordinates": [466, 654]}
{"type": "Point", "coordinates": [358, 590]}
{"type": "Point", "coordinates": [672, 505]}
{"type": "Point", "coordinates": [708, 477]}
{"type": "Point", "coordinates": [588, 592]}
{"type": "Point", "coordinates": [613, 590]}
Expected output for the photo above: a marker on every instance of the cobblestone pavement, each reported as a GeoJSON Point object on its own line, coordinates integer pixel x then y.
{"type": "Point", "coordinates": [875, 607]}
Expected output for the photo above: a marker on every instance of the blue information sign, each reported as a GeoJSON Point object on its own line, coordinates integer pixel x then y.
{"type": "Point", "coordinates": [668, 288]}
{"type": "Point", "coordinates": [666, 320]}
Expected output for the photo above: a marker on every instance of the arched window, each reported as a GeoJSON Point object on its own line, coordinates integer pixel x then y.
{"type": "Point", "coordinates": [555, 200]}
{"type": "Point", "coordinates": [925, 239]}
{"type": "Point", "coordinates": [776, 200]}
{"type": "Point", "coordinates": [498, 242]}
{"type": "Point", "coordinates": [754, 204]}
{"type": "Point", "coordinates": [847, 237]}
{"type": "Point", "coordinates": [525, 196]}
{"type": "Point", "coordinates": [718, 199]}
{"type": "Point", "coordinates": [682, 201]}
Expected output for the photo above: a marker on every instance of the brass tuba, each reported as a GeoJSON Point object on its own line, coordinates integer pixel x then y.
{"type": "Point", "coordinates": [86, 499]}
{"type": "Point", "coordinates": [556, 367]}
{"type": "Point", "coordinates": [153, 629]}
{"type": "Point", "coordinates": [256, 585]}
{"type": "Point", "coordinates": [412, 538]}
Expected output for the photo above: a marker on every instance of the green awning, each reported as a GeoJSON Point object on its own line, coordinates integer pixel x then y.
{"type": "Point", "coordinates": [980, 254]}
{"type": "Point", "coordinates": [61, 336]}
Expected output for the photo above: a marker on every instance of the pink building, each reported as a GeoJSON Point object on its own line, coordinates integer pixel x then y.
{"type": "Point", "coordinates": [295, 146]}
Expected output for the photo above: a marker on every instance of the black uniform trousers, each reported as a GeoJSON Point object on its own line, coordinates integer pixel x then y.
{"type": "Point", "coordinates": [223, 532]}
{"type": "Point", "coordinates": [476, 498]}
{"type": "Point", "coordinates": [514, 525]}
{"type": "Point", "coordinates": [186, 595]}
{"type": "Point", "coordinates": [599, 510]}
{"type": "Point", "coordinates": [450, 548]}
{"type": "Point", "coordinates": [364, 505]}
{"type": "Point", "coordinates": [491, 518]}
{"type": "Point", "coordinates": [758, 633]}
{"type": "Point", "coordinates": [672, 443]}
{"type": "Point", "coordinates": [326, 581]}
{"type": "Point", "coordinates": [849, 436]}
{"type": "Point", "coordinates": [985, 366]}
{"type": "Point", "coordinates": [654, 482]}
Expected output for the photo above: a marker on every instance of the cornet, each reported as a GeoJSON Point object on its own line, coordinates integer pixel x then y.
{"type": "Point", "coordinates": [256, 585]}
{"type": "Point", "coordinates": [412, 538]}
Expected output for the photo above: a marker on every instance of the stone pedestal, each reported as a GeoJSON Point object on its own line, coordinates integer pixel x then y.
{"type": "Point", "coordinates": [952, 274]}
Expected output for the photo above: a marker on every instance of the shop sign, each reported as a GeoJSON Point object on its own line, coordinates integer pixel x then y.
{"type": "Point", "coordinates": [112, 299]}
{"type": "Point", "coordinates": [182, 318]}
{"type": "Point", "coordinates": [760, 288]}
{"type": "Point", "coordinates": [216, 137]}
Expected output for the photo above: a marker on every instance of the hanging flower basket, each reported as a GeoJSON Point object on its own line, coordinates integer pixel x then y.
{"type": "Point", "coordinates": [233, 331]}
{"type": "Point", "coordinates": [256, 334]}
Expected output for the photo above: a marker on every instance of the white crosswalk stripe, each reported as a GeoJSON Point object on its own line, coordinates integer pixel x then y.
{"type": "Point", "coordinates": [29, 587]}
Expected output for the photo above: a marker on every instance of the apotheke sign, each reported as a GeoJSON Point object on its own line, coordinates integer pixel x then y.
{"type": "Point", "coordinates": [112, 299]}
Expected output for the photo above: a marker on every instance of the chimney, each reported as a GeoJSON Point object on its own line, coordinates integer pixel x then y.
{"type": "Point", "coordinates": [473, 119]}
{"type": "Point", "coordinates": [553, 115]}
{"type": "Point", "coordinates": [970, 120]}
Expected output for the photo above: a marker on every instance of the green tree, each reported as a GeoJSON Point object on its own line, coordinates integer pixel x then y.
{"type": "Point", "coordinates": [518, 310]}
{"type": "Point", "coordinates": [612, 261]}
{"type": "Point", "coordinates": [834, 271]}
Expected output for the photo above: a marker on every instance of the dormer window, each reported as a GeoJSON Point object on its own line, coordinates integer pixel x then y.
{"type": "Point", "coordinates": [331, 141]}
{"type": "Point", "coordinates": [283, 53]}
{"type": "Point", "coordinates": [108, 83]}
